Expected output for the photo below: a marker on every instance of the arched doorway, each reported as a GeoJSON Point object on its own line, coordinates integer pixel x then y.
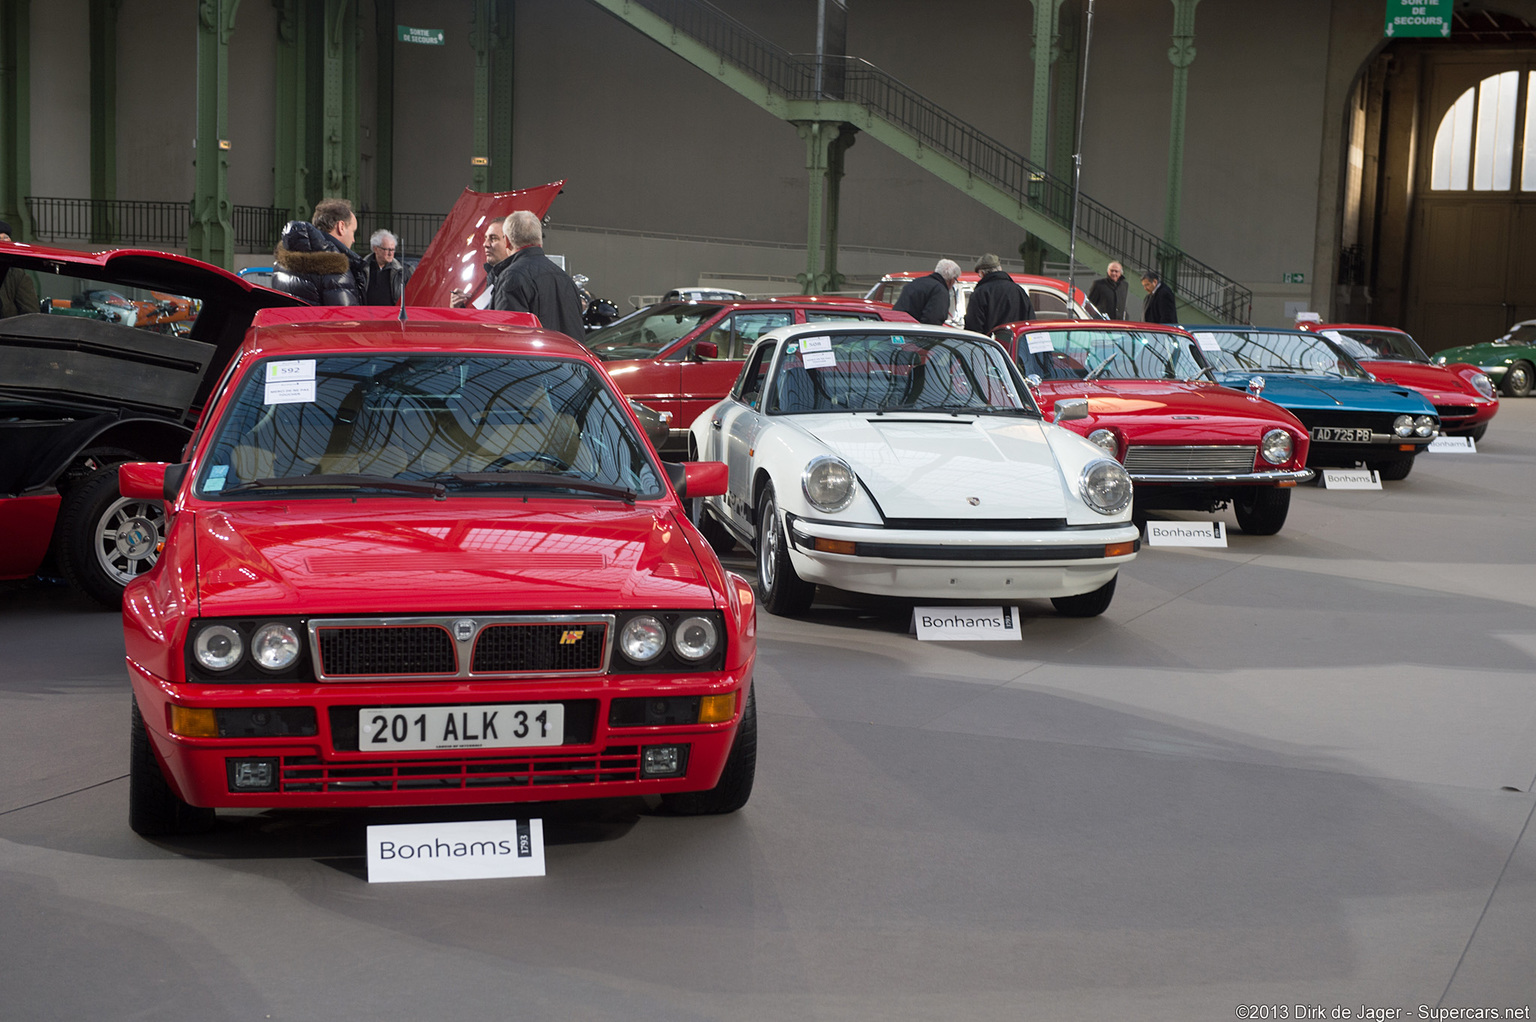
{"type": "Point", "coordinates": [1439, 224]}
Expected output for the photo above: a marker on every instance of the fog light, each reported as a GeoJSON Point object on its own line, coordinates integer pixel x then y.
{"type": "Point", "coordinates": [252, 774]}
{"type": "Point", "coordinates": [194, 722]}
{"type": "Point", "coordinates": [717, 709]}
{"type": "Point", "coordinates": [663, 760]}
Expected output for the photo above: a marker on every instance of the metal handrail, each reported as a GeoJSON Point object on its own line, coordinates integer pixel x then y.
{"type": "Point", "coordinates": [850, 79]}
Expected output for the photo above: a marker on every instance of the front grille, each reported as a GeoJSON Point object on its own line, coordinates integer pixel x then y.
{"type": "Point", "coordinates": [1376, 422]}
{"type": "Point", "coordinates": [356, 649]}
{"type": "Point", "coordinates": [309, 775]}
{"type": "Point", "coordinates": [1452, 411]}
{"type": "Point", "coordinates": [1226, 459]}
{"type": "Point", "coordinates": [414, 650]}
{"type": "Point", "coordinates": [540, 647]}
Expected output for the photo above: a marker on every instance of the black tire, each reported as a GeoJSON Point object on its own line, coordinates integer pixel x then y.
{"type": "Point", "coordinates": [782, 591]}
{"type": "Point", "coordinates": [1087, 604]}
{"type": "Point", "coordinates": [154, 810]}
{"type": "Point", "coordinates": [718, 536]}
{"type": "Point", "coordinates": [1517, 380]}
{"type": "Point", "coordinates": [106, 540]}
{"type": "Point", "coordinates": [1261, 510]}
{"type": "Point", "coordinates": [1479, 432]}
{"type": "Point", "coordinates": [735, 784]}
{"type": "Point", "coordinates": [1392, 471]}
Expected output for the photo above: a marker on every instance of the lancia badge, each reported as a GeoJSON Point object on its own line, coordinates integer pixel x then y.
{"type": "Point", "coordinates": [973, 501]}
{"type": "Point", "coordinates": [464, 629]}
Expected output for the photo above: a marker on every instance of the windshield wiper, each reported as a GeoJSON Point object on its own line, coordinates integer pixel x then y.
{"type": "Point", "coordinates": [1099, 369]}
{"type": "Point", "coordinates": [345, 482]}
{"type": "Point", "coordinates": [537, 480]}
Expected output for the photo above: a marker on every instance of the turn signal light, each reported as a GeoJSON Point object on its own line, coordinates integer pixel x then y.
{"type": "Point", "coordinates": [194, 722]}
{"type": "Point", "coordinates": [835, 546]}
{"type": "Point", "coordinates": [717, 709]}
{"type": "Point", "coordinates": [1119, 549]}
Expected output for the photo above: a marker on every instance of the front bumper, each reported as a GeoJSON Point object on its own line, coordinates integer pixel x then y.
{"type": "Point", "coordinates": [1280, 478]}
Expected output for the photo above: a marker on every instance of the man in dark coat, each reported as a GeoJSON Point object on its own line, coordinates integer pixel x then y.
{"type": "Point", "coordinates": [1160, 306]}
{"type": "Point", "coordinates": [18, 295]}
{"type": "Point", "coordinates": [1108, 294]}
{"type": "Point", "coordinates": [386, 274]}
{"type": "Point", "coordinates": [532, 282]}
{"type": "Point", "coordinates": [496, 251]}
{"type": "Point", "coordinates": [996, 299]}
{"type": "Point", "coordinates": [315, 261]}
{"type": "Point", "coordinates": [926, 299]}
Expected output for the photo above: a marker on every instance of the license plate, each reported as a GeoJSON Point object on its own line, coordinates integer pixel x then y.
{"type": "Point", "coordinates": [492, 726]}
{"type": "Point", "coordinates": [1341, 434]}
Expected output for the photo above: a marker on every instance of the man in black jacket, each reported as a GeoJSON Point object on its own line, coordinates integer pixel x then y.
{"type": "Point", "coordinates": [996, 299]}
{"type": "Point", "coordinates": [532, 282]}
{"type": "Point", "coordinates": [386, 274]}
{"type": "Point", "coordinates": [496, 251]}
{"type": "Point", "coordinates": [315, 261]}
{"type": "Point", "coordinates": [1108, 294]}
{"type": "Point", "coordinates": [926, 299]}
{"type": "Point", "coordinates": [1160, 306]}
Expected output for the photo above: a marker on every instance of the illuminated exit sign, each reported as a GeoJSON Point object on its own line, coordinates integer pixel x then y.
{"type": "Point", "coordinates": [1418, 19]}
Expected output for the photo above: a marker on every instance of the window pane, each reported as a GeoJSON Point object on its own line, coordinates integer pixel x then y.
{"type": "Point", "coordinates": [1495, 132]}
{"type": "Point", "coordinates": [1528, 174]}
{"type": "Point", "coordinates": [1453, 147]}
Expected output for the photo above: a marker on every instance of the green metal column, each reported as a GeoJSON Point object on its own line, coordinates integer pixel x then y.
{"type": "Point", "coordinates": [1064, 91]}
{"type": "Point", "coordinates": [1044, 52]}
{"type": "Point", "coordinates": [384, 127]}
{"type": "Point", "coordinates": [290, 192]}
{"type": "Point", "coordinates": [846, 136]}
{"type": "Point", "coordinates": [211, 237]}
{"type": "Point", "coordinates": [825, 144]}
{"type": "Point", "coordinates": [1181, 54]}
{"type": "Point", "coordinates": [16, 116]}
{"type": "Point", "coordinates": [338, 128]}
{"type": "Point", "coordinates": [480, 41]}
{"type": "Point", "coordinates": [103, 28]}
{"type": "Point", "coordinates": [503, 79]}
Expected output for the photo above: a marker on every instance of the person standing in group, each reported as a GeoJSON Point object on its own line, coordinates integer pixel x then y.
{"type": "Point", "coordinates": [1160, 306]}
{"type": "Point", "coordinates": [997, 298]}
{"type": "Point", "coordinates": [18, 295]}
{"type": "Point", "coordinates": [496, 252]}
{"type": "Point", "coordinates": [315, 262]}
{"type": "Point", "coordinates": [386, 274]}
{"type": "Point", "coordinates": [1109, 293]}
{"type": "Point", "coordinates": [926, 299]}
{"type": "Point", "coordinates": [532, 282]}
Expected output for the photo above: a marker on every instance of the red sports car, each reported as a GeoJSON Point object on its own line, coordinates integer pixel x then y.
{"type": "Point", "coordinates": [423, 563]}
{"type": "Point", "coordinates": [1464, 397]}
{"type": "Point", "coordinates": [1189, 444]}
{"type": "Point", "coordinates": [681, 357]}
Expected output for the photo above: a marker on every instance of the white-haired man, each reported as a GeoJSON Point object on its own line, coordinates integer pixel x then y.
{"type": "Point", "coordinates": [532, 282]}
{"type": "Point", "coordinates": [926, 299]}
{"type": "Point", "coordinates": [386, 275]}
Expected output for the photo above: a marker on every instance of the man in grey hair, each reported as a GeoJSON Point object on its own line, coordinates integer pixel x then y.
{"type": "Point", "coordinates": [532, 282]}
{"type": "Point", "coordinates": [926, 299]}
{"type": "Point", "coordinates": [996, 299]}
{"type": "Point", "coordinates": [385, 273]}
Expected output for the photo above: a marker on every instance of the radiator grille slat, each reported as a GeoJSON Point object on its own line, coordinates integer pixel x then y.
{"type": "Point", "coordinates": [1176, 460]}
{"type": "Point", "coordinates": [303, 774]}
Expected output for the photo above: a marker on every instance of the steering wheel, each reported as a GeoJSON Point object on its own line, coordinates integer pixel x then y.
{"type": "Point", "coordinates": [524, 457]}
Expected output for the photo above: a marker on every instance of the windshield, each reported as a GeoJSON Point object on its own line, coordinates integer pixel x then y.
{"type": "Point", "coordinates": [1377, 345]}
{"type": "Point", "coordinates": [1278, 351]}
{"type": "Point", "coordinates": [480, 423]}
{"type": "Point", "coordinates": [880, 372]}
{"type": "Point", "coordinates": [155, 311]}
{"type": "Point", "coordinates": [648, 332]}
{"type": "Point", "coordinates": [1107, 354]}
{"type": "Point", "coordinates": [1520, 333]}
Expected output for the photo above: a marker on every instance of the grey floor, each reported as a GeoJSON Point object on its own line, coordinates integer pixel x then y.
{"type": "Point", "coordinates": [1293, 773]}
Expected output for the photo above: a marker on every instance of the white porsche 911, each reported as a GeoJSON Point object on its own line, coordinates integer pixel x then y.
{"type": "Point", "coordinates": [907, 460]}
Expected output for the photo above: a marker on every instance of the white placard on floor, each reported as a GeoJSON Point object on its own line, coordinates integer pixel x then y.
{"type": "Point", "coordinates": [1351, 479]}
{"type": "Point", "coordinates": [472, 850]}
{"type": "Point", "coordinates": [966, 623]}
{"type": "Point", "coordinates": [1453, 445]}
{"type": "Point", "coordinates": [1186, 534]}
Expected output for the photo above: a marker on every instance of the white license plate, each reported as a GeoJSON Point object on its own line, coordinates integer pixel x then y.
{"type": "Point", "coordinates": [1341, 434]}
{"type": "Point", "coordinates": [493, 726]}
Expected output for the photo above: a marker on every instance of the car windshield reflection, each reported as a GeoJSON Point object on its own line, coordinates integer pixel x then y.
{"type": "Point", "coordinates": [1377, 345]}
{"type": "Point", "coordinates": [1106, 355]}
{"type": "Point", "coordinates": [1277, 351]}
{"type": "Point", "coordinates": [648, 332]}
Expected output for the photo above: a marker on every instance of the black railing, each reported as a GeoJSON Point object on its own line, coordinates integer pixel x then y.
{"type": "Point", "coordinates": [802, 77]}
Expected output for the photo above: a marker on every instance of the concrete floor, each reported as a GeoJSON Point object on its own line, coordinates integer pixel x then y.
{"type": "Point", "coordinates": [1294, 773]}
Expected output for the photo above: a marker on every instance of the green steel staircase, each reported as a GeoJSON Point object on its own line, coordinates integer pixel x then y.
{"type": "Point", "coordinates": [845, 90]}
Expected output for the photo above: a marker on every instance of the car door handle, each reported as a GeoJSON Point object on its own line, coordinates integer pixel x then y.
{"type": "Point", "coordinates": [714, 423]}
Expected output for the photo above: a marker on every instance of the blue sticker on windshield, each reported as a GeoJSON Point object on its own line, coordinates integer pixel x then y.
{"type": "Point", "coordinates": [791, 348]}
{"type": "Point", "coordinates": [216, 476]}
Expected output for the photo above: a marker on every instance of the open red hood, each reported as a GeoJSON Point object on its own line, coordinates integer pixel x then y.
{"type": "Point", "coordinates": [453, 259]}
{"type": "Point", "coordinates": [472, 555]}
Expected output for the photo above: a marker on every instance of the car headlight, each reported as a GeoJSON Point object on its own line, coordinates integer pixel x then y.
{"type": "Point", "coordinates": [1403, 425]}
{"type": "Point", "coordinates": [1106, 439]}
{"type": "Point", "coordinates": [1276, 447]}
{"type": "Point", "coordinates": [643, 639]}
{"type": "Point", "coordinates": [218, 647]}
{"type": "Point", "coordinates": [1106, 487]}
{"type": "Point", "coordinates": [1481, 383]}
{"type": "Point", "coordinates": [695, 638]}
{"type": "Point", "coordinates": [275, 646]}
{"type": "Point", "coordinates": [1425, 425]}
{"type": "Point", "coordinates": [828, 484]}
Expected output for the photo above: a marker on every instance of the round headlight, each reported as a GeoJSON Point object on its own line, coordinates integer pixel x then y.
{"type": "Point", "coordinates": [1403, 425]}
{"type": "Point", "coordinates": [1276, 447]}
{"type": "Point", "coordinates": [275, 646]}
{"type": "Point", "coordinates": [218, 647]}
{"type": "Point", "coordinates": [828, 484]}
{"type": "Point", "coordinates": [1424, 425]}
{"type": "Point", "coordinates": [1106, 439]}
{"type": "Point", "coordinates": [1482, 384]}
{"type": "Point", "coordinates": [695, 638]}
{"type": "Point", "coordinates": [1106, 487]}
{"type": "Point", "coordinates": [643, 639]}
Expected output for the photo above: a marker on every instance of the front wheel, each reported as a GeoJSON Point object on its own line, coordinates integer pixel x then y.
{"type": "Point", "coordinates": [782, 591]}
{"type": "Point", "coordinates": [1479, 432]}
{"type": "Point", "coordinates": [733, 789]}
{"type": "Point", "coordinates": [1391, 471]}
{"type": "Point", "coordinates": [154, 809]}
{"type": "Point", "coordinates": [1517, 380]}
{"type": "Point", "coordinates": [1087, 604]}
{"type": "Point", "coordinates": [1261, 511]}
{"type": "Point", "coordinates": [106, 540]}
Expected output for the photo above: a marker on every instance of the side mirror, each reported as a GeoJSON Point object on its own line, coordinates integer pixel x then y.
{"type": "Point", "coordinates": [704, 350]}
{"type": "Point", "coordinates": [693, 479]}
{"type": "Point", "coordinates": [1072, 408]}
{"type": "Point", "coordinates": [150, 480]}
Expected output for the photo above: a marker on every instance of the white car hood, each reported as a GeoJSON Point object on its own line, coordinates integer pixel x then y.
{"type": "Point", "coordinates": [945, 467]}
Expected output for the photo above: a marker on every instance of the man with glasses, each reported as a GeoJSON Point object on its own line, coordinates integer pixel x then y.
{"type": "Point", "coordinates": [386, 274]}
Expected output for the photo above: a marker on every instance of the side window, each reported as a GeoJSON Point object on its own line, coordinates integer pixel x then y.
{"type": "Point", "coordinates": [813, 316]}
{"type": "Point", "coordinates": [1048, 305]}
{"type": "Point", "coordinates": [749, 385]}
{"type": "Point", "coordinates": [749, 326]}
{"type": "Point", "coordinates": [720, 335]}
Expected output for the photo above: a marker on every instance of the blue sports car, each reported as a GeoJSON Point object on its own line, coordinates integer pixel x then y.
{"type": "Point", "coordinates": [1351, 416]}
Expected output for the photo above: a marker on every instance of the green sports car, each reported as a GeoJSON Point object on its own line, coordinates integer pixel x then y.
{"type": "Point", "coordinates": [1509, 361]}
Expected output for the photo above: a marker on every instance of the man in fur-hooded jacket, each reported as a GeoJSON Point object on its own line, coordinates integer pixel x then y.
{"type": "Point", "coordinates": [315, 261]}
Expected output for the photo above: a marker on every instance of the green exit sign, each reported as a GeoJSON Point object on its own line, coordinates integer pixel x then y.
{"type": "Point", "coordinates": [1418, 19]}
{"type": "Point", "coordinates": [1295, 278]}
{"type": "Point", "coordinates": [426, 36]}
